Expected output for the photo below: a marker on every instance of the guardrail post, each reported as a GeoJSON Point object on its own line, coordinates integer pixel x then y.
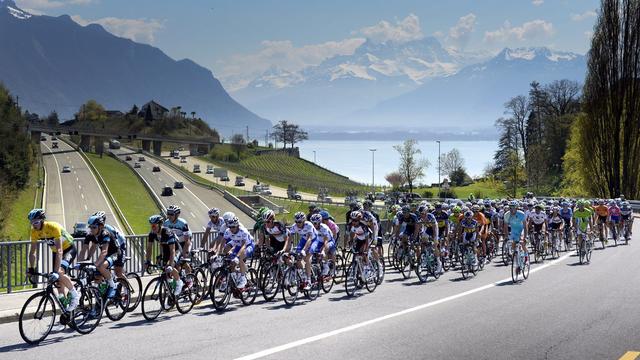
{"type": "Point", "coordinates": [9, 279]}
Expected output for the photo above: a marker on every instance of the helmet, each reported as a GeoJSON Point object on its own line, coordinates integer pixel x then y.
{"type": "Point", "coordinates": [353, 205]}
{"type": "Point", "coordinates": [36, 214]}
{"type": "Point", "coordinates": [540, 206]}
{"type": "Point", "coordinates": [367, 204]}
{"type": "Point", "coordinates": [513, 203]}
{"type": "Point", "coordinates": [395, 208]}
{"type": "Point", "coordinates": [233, 222]}
{"type": "Point", "coordinates": [359, 206]}
{"type": "Point", "coordinates": [475, 208]}
{"type": "Point", "coordinates": [565, 203]}
{"type": "Point", "coordinates": [299, 216]}
{"type": "Point", "coordinates": [625, 204]}
{"type": "Point", "coordinates": [406, 209]}
{"type": "Point", "coordinates": [456, 209]}
{"type": "Point", "coordinates": [268, 215]}
{"type": "Point", "coordinates": [214, 212]}
{"type": "Point", "coordinates": [437, 205]}
{"type": "Point", "coordinates": [325, 214]}
{"type": "Point", "coordinates": [600, 201]}
{"type": "Point", "coordinates": [156, 219]}
{"type": "Point", "coordinates": [102, 215]}
{"type": "Point", "coordinates": [312, 206]}
{"type": "Point", "coordinates": [316, 218]}
{"type": "Point", "coordinates": [422, 209]}
{"type": "Point", "coordinates": [95, 220]}
{"type": "Point", "coordinates": [228, 216]}
{"type": "Point", "coordinates": [445, 206]}
{"type": "Point", "coordinates": [468, 214]}
{"type": "Point", "coordinates": [173, 210]}
{"type": "Point", "coordinates": [356, 215]}
{"type": "Point", "coordinates": [487, 202]}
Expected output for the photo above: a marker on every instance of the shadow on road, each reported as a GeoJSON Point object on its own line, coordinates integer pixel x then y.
{"type": "Point", "coordinates": [45, 342]}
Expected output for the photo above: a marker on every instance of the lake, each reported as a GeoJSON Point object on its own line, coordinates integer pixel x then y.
{"type": "Point", "coordinates": [353, 158]}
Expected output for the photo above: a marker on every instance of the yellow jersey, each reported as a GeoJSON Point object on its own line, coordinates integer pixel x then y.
{"type": "Point", "coordinates": [49, 232]}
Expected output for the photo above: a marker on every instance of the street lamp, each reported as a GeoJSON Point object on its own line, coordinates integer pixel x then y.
{"type": "Point", "coordinates": [314, 156]}
{"type": "Point", "coordinates": [439, 190]}
{"type": "Point", "coordinates": [373, 167]}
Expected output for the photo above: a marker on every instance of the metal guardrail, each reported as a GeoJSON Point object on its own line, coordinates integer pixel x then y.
{"type": "Point", "coordinates": [14, 256]}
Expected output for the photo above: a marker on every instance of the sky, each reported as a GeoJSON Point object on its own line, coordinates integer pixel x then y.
{"type": "Point", "coordinates": [240, 39]}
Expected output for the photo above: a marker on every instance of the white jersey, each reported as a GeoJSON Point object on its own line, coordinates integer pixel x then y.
{"type": "Point", "coordinates": [242, 237]}
{"type": "Point", "coordinates": [324, 232]}
{"type": "Point", "coordinates": [360, 231]}
{"type": "Point", "coordinates": [216, 227]}
{"type": "Point", "coordinates": [278, 231]}
{"type": "Point", "coordinates": [557, 219]}
{"type": "Point", "coordinates": [306, 232]}
{"type": "Point", "coordinates": [538, 218]}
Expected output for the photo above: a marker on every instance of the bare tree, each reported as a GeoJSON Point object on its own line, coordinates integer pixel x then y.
{"type": "Point", "coordinates": [237, 144]}
{"type": "Point", "coordinates": [562, 97]}
{"type": "Point", "coordinates": [450, 162]}
{"type": "Point", "coordinates": [411, 166]}
{"type": "Point", "coordinates": [395, 179]}
{"type": "Point", "coordinates": [518, 108]}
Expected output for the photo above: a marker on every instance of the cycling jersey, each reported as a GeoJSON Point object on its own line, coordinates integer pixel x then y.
{"type": "Point", "coordinates": [51, 231]}
{"type": "Point", "coordinates": [469, 228]}
{"type": "Point", "coordinates": [582, 218]}
{"type": "Point", "coordinates": [538, 218]}
{"type": "Point", "coordinates": [515, 222]}
{"type": "Point", "coordinates": [307, 231]}
{"type": "Point", "coordinates": [239, 239]}
{"type": "Point", "coordinates": [360, 231]}
{"type": "Point", "coordinates": [555, 221]}
{"type": "Point", "coordinates": [104, 238]}
{"type": "Point", "coordinates": [615, 213]}
{"type": "Point", "coordinates": [179, 228]}
{"type": "Point", "coordinates": [409, 223]}
{"type": "Point", "coordinates": [626, 213]}
{"type": "Point", "coordinates": [567, 214]}
{"type": "Point", "coordinates": [216, 227]}
{"type": "Point", "coordinates": [321, 233]}
{"type": "Point", "coordinates": [334, 227]}
{"type": "Point", "coordinates": [166, 239]}
{"type": "Point", "coordinates": [276, 232]}
{"type": "Point", "coordinates": [602, 210]}
{"type": "Point", "coordinates": [428, 222]}
{"type": "Point", "coordinates": [442, 218]}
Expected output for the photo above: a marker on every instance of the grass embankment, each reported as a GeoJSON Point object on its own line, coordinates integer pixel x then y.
{"type": "Point", "coordinates": [281, 170]}
{"type": "Point", "coordinates": [485, 189]}
{"type": "Point", "coordinates": [16, 226]}
{"type": "Point", "coordinates": [338, 212]}
{"type": "Point", "coordinates": [129, 192]}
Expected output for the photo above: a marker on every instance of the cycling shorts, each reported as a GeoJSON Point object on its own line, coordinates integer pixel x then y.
{"type": "Point", "coordinates": [316, 247]}
{"type": "Point", "coordinates": [276, 245]}
{"type": "Point", "coordinates": [468, 237]}
{"type": "Point", "coordinates": [615, 219]}
{"type": "Point", "coordinates": [68, 257]}
{"type": "Point", "coordinates": [537, 227]}
{"type": "Point", "coordinates": [554, 226]}
{"type": "Point", "coordinates": [626, 217]}
{"type": "Point", "coordinates": [248, 250]}
{"type": "Point", "coordinates": [361, 245]}
{"type": "Point", "coordinates": [602, 219]}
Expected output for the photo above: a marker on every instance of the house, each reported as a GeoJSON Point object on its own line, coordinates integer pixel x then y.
{"type": "Point", "coordinates": [153, 111]}
{"type": "Point", "coordinates": [114, 113]}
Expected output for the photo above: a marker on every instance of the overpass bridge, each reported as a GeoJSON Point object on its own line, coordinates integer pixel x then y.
{"type": "Point", "coordinates": [150, 142]}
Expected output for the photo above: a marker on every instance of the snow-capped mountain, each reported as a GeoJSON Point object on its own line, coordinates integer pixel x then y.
{"type": "Point", "coordinates": [345, 83]}
{"type": "Point", "coordinates": [474, 96]}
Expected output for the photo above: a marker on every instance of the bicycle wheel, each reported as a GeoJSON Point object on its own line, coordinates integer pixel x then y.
{"type": "Point", "coordinates": [405, 265]}
{"type": "Point", "coordinates": [314, 283]}
{"type": "Point", "coordinates": [515, 272]}
{"type": "Point", "coordinates": [340, 269]}
{"type": "Point", "coordinates": [391, 253]}
{"type": "Point", "coordinates": [202, 289]}
{"type": "Point", "coordinates": [422, 267]}
{"type": "Point", "coordinates": [88, 314]}
{"type": "Point", "coordinates": [351, 281]}
{"type": "Point", "coordinates": [465, 267]}
{"type": "Point", "coordinates": [187, 297]}
{"type": "Point", "coordinates": [250, 291]}
{"type": "Point", "coordinates": [582, 251]}
{"type": "Point", "coordinates": [380, 265]}
{"type": "Point", "coordinates": [328, 279]}
{"type": "Point", "coordinates": [153, 298]}
{"type": "Point", "coordinates": [135, 291]}
{"type": "Point", "coordinates": [117, 307]}
{"type": "Point", "coordinates": [219, 289]}
{"type": "Point", "coordinates": [506, 254]}
{"type": "Point", "coordinates": [290, 285]}
{"type": "Point", "coordinates": [588, 250]}
{"type": "Point", "coordinates": [36, 327]}
{"type": "Point", "coordinates": [271, 282]}
{"type": "Point", "coordinates": [527, 267]}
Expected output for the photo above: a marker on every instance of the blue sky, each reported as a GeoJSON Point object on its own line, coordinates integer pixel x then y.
{"type": "Point", "coordinates": [237, 39]}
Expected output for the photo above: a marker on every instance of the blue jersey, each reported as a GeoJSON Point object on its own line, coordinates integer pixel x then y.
{"type": "Point", "coordinates": [566, 214]}
{"type": "Point", "coordinates": [409, 223]}
{"type": "Point", "coordinates": [117, 235]}
{"type": "Point", "coordinates": [516, 223]}
{"type": "Point", "coordinates": [179, 228]}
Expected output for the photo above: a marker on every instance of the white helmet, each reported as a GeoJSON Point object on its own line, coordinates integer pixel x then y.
{"type": "Point", "coordinates": [228, 216]}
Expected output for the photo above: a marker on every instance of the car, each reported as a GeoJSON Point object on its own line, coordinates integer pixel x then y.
{"type": "Point", "coordinates": [224, 178]}
{"type": "Point", "coordinates": [196, 168]}
{"type": "Point", "coordinates": [136, 165]}
{"type": "Point", "coordinates": [141, 158]}
{"type": "Point", "coordinates": [54, 145]}
{"type": "Point", "coordinates": [209, 170]}
{"type": "Point", "coordinates": [66, 169]}
{"type": "Point", "coordinates": [412, 196]}
{"type": "Point", "coordinates": [167, 191]}
{"type": "Point", "coordinates": [265, 192]}
{"type": "Point", "coordinates": [156, 169]}
{"type": "Point", "coordinates": [54, 138]}
{"type": "Point", "coordinates": [239, 181]}
{"type": "Point", "coordinates": [183, 160]}
{"type": "Point", "coordinates": [176, 156]}
{"type": "Point", "coordinates": [380, 196]}
{"type": "Point", "coordinates": [178, 185]}
{"type": "Point", "coordinates": [43, 138]}
{"type": "Point", "coordinates": [127, 158]}
{"type": "Point", "coordinates": [80, 230]}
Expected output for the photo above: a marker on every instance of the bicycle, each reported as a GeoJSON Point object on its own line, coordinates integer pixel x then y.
{"type": "Point", "coordinates": [586, 247]}
{"type": "Point", "coordinates": [326, 280]}
{"type": "Point", "coordinates": [568, 237]}
{"type": "Point", "coordinates": [360, 275]}
{"type": "Point", "coordinates": [555, 243]}
{"type": "Point", "coordinates": [520, 264]}
{"type": "Point", "coordinates": [603, 239]}
{"type": "Point", "coordinates": [406, 259]}
{"type": "Point", "coordinates": [537, 242]}
{"type": "Point", "coordinates": [115, 307]}
{"type": "Point", "coordinates": [427, 263]}
{"type": "Point", "coordinates": [469, 263]}
{"type": "Point", "coordinates": [159, 293]}
{"type": "Point", "coordinates": [626, 231]}
{"type": "Point", "coordinates": [507, 252]}
{"type": "Point", "coordinates": [84, 319]}
{"type": "Point", "coordinates": [292, 279]}
{"type": "Point", "coordinates": [223, 285]}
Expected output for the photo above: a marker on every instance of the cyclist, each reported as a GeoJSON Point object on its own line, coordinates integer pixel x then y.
{"type": "Point", "coordinates": [168, 243]}
{"type": "Point", "coordinates": [360, 237]}
{"type": "Point", "coordinates": [614, 218]}
{"type": "Point", "coordinates": [538, 221]}
{"type": "Point", "coordinates": [214, 226]}
{"type": "Point", "coordinates": [274, 233]}
{"type": "Point", "coordinates": [179, 227]}
{"type": "Point", "coordinates": [313, 209]}
{"type": "Point", "coordinates": [109, 250]}
{"type": "Point", "coordinates": [407, 222]}
{"type": "Point", "coordinates": [307, 233]}
{"type": "Point", "coordinates": [118, 264]}
{"type": "Point", "coordinates": [567, 215]}
{"type": "Point", "coordinates": [515, 222]}
{"type": "Point", "coordinates": [240, 243]}
{"type": "Point", "coordinates": [323, 243]}
{"type": "Point", "coordinates": [442, 217]}
{"type": "Point", "coordinates": [483, 223]}
{"type": "Point", "coordinates": [602, 211]}
{"type": "Point", "coordinates": [626, 213]}
{"type": "Point", "coordinates": [429, 231]}
{"type": "Point", "coordinates": [327, 220]}
{"type": "Point", "coordinates": [556, 221]}
{"type": "Point", "coordinates": [63, 251]}
{"type": "Point", "coordinates": [469, 231]}
{"type": "Point", "coordinates": [582, 221]}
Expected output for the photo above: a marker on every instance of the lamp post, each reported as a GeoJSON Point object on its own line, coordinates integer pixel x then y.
{"type": "Point", "coordinates": [439, 190]}
{"type": "Point", "coordinates": [314, 156]}
{"type": "Point", "coordinates": [373, 167]}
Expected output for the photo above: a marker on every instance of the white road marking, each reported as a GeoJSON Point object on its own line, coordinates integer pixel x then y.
{"type": "Point", "coordinates": [182, 202]}
{"type": "Point", "coordinates": [325, 335]}
{"type": "Point", "coordinates": [82, 195]}
{"type": "Point", "coordinates": [77, 179]}
{"type": "Point", "coordinates": [192, 215]}
{"type": "Point", "coordinates": [80, 187]}
{"type": "Point", "coordinates": [64, 221]}
{"type": "Point", "coordinates": [85, 207]}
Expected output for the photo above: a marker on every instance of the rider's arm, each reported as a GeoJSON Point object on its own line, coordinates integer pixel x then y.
{"type": "Point", "coordinates": [32, 254]}
{"type": "Point", "coordinates": [205, 237]}
{"type": "Point", "coordinates": [172, 255]}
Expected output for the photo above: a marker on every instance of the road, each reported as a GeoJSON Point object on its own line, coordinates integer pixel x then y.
{"type": "Point", "coordinates": [193, 200]}
{"type": "Point", "coordinates": [563, 311]}
{"type": "Point", "coordinates": [71, 197]}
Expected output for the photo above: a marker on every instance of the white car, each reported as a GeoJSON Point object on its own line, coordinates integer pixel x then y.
{"type": "Point", "coordinates": [66, 169]}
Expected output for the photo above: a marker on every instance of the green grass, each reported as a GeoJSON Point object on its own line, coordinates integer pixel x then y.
{"type": "Point", "coordinates": [16, 226]}
{"type": "Point", "coordinates": [484, 189]}
{"type": "Point", "coordinates": [338, 212]}
{"type": "Point", "coordinates": [129, 192]}
{"type": "Point", "coordinates": [282, 170]}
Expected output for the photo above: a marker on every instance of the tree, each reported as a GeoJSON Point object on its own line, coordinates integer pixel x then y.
{"type": "Point", "coordinates": [411, 167]}
{"type": "Point", "coordinates": [459, 177]}
{"type": "Point", "coordinates": [134, 110]}
{"type": "Point", "coordinates": [518, 107]}
{"type": "Point", "coordinates": [237, 144]}
{"type": "Point", "coordinates": [297, 135]}
{"type": "Point", "coordinates": [450, 162]}
{"type": "Point", "coordinates": [279, 132]}
{"type": "Point", "coordinates": [288, 133]}
{"type": "Point", "coordinates": [395, 178]}
{"type": "Point", "coordinates": [52, 119]}
{"type": "Point", "coordinates": [611, 102]}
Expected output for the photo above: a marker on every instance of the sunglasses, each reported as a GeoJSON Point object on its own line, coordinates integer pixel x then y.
{"type": "Point", "coordinates": [93, 226]}
{"type": "Point", "coordinates": [269, 221]}
{"type": "Point", "coordinates": [36, 222]}
{"type": "Point", "coordinates": [233, 227]}
{"type": "Point", "coordinates": [171, 214]}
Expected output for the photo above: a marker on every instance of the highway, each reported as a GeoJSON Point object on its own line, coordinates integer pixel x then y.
{"type": "Point", "coordinates": [563, 311]}
{"type": "Point", "coordinates": [193, 200]}
{"type": "Point", "coordinates": [71, 197]}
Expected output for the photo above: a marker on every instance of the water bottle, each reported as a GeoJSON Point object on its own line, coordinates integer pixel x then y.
{"type": "Point", "coordinates": [103, 288]}
{"type": "Point", "coordinates": [172, 284]}
{"type": "Point", "coordinates": [63, 300]}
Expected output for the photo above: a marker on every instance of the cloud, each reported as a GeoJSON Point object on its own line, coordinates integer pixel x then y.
{"type": "Point", "coordinates": [140, 30]}
{"type": "Point", "coordinates": [537, 2]}
{"type": "Point", "coordinates": [460, 34]}
{"type": "Point", "coordinates": [282, 55]}
{"type": "Point", "coordinates": [585, 15]}
{"type": "Point", "coordinates": [50, 4]}
{"type": "Point", "coordinates": [531, 30]}
{"type": "Point", "coordinates": [404, 30]}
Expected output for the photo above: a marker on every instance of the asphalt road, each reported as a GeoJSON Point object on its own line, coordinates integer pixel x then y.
{"type": "Point", "coordinates": [563, 311]}
{"type": "Point", "coordinates": [193, 200]}
{"type": "Point", "coordinates": [71, 197]}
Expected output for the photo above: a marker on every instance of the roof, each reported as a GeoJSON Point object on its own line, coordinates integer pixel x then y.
{"type": "Point", "coordinates": [155, 110]}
